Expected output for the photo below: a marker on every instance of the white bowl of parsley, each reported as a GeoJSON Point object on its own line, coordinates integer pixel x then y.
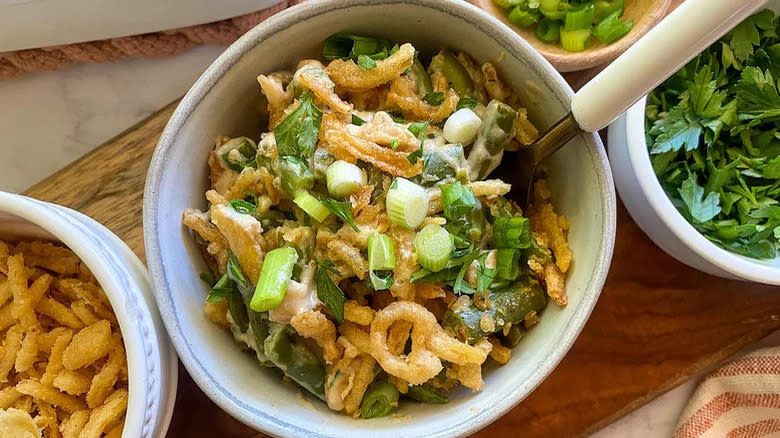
{"type": "Point", "coordinates": [699, 169]}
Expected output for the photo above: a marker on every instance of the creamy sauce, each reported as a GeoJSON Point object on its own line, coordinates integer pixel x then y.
{"type": "Point", "coordinates": [299, 297]}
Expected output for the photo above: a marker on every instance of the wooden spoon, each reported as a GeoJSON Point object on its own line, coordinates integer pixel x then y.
{"type": "Point", "coordinates": [645, 13]}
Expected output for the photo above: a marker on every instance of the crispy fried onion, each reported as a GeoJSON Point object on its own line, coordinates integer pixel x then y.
{"type": "Point", "coordinates": [313, 324]}
{"type": "Point", "coordinates": [382, 129]}
{"type": "Point", "coordinates": [358, 314]}
{"type": "Point", "coordinates": [249, 180]}
{"type": "Point", "coordinates": [347, 258]}
{"type": "Point", "coordinates": [493, 85]}
{"type": "Point", "coordinates": [278, 98]}
{"type": "Point", "coordinates": [546, 222]}
{"type": "Point", "coordinates": [360, 199]}
{"type": "Point", "coordinates": [348, 379]}
{"type": "Point", "coordinates": [526, 133]}
{"type": "Point", "coordinates": [349, 76]}
{"type": "Point", "coordinates": [221, 178]}
{"type": "Point", "coordinates": [273, 186]}
{"type": "Point", "coordinates": [556, 284]}
{"type": "Point", "coordinates": [217, 246]}
{"type": "Point", "coordinates": [316, 79]}
{"type": "Point", "coordinates": [405, 263]}
{"type": "Point", "coordinates": [490, 187]}
{"type": "Point", "coordinates": [350, 256]}
{"type": "Point", "coordinates": [430, 344]}
{"type": "Point", "coordinates": [344, 146]}
{"type": "Point", "coordinates": [414, 108]}
{"type": "Point", "coordinates": [470, 375]}
{"type": "Point", "coordinates": [198, 222]}
{"type": "Point", "coordinates": [372, 99]}
{"type": "Point", "coordinates": [244, 236]}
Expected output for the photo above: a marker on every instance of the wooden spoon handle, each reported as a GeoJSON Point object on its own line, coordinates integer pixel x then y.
{"type": "Point", "coordinates": [686, 32]}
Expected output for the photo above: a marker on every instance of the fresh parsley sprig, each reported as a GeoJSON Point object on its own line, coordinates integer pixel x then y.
{"type": "Point", "coordinates": [297, 134]}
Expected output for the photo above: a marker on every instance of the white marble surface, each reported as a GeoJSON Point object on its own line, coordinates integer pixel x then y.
{"type": "Point", "coordinates": [48, 120]}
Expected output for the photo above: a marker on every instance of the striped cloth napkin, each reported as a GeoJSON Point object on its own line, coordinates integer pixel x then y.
{"type": "Point", "coordinates": [740, 400]}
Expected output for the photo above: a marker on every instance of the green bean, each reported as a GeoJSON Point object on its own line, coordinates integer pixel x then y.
{"type": "Point", "coordinates": [457, 76]}
{"type": "Point", "coordinates": [422, 81]}
{"type": "Point", "coordinates": [295, 175]}
{"type": "Point", "coordinates": [426, 393]}
{"type": "Point", "coordinates": [509, 305]}
{"type": "Point", "coordinates": [237, 309]}
{"type": "Point", "coordinates": [295, 360]}
{"type": "Point", "coordinates": [442, 164]}
{"type": "Point", "coordinates": [380, 400]}
{"type": "Point", "coordinates": [494, 135]}
{"type": "Point", "coordinates": [238, 153]}
{"type": "Point", "coordinates": [513, 336]}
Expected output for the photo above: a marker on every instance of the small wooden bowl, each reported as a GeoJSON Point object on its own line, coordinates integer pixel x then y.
{"type": "Point", "coordinates": [645, 13]}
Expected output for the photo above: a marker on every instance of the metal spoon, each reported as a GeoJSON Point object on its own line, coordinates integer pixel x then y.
{"type": "Point", "coordinates": [682, 35]}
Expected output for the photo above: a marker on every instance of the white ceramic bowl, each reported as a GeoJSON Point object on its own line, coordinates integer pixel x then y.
{"type": "Point", "coordinates": [224, 101]}
{"type": "Point", "coordinates": [652, 210]}
{"type": "Point", "coordinates": [151, 360]}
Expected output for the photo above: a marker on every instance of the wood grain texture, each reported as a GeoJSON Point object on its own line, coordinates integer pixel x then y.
{"type": "Point", "coordinates": [657, 323]}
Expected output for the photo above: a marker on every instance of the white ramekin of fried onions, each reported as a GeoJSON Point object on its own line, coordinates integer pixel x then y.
{"type": "Point", "coordinates": [345, 260]}
{"type": "Point", "coordinates": [84, 353]}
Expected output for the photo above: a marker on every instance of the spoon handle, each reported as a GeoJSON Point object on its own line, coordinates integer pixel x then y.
{"type": "Point", "coordinates": [687, 31]}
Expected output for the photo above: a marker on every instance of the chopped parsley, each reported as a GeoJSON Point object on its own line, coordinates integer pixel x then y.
{"type": "Point", "coordinates": [714, 139]}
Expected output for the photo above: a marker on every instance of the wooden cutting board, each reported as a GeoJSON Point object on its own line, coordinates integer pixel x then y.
{"type": "Point", "coordinates": [657, 324]}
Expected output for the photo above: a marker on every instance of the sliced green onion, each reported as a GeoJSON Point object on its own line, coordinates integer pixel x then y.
{"type": "Point", "coordinates": [506, 4]}
{"type": "Point", "coordinates": [579, 18]}
{"type": "Point", "coordinates": [381, 261]}
{"type": "Point", "coordinates": [312, 206]}
{"type": "Point", "coordinates": [605, 8]}
{"type": "Point", "coordinates": [507, 260]}
{"type": "Point", "coordinates": [381, 255]}
{"type": "Point", "coordinates": [380, 400]}
{"type": "Point", "coordinates": [575, 40]}
{"type": "Point", "coordinates": [512, 232]}
{"type": "Point", "coordinates": [344, 178]}
{"type": "Point", "coordinates": [524, 18]}
{"type": "Point", "coordinates": [456, 200]}
{"type": "Point", "coordinates": [434, 246]}
{"type": "Point", "coordinates": [243, 207]}
{"type": "Point", "coordinates": [548, 30]}
{"type": "Point", "coordinates": [611, 29]}
{"type": "Point", "coordinates": [462, 127]}
{"type": "Point", "coordinates": [352, 46]}
{"type": "Point", "coordinates": [365, 62]}
{"type": "Point", "coordinates": [554, 9]}
{"type": "Point", "coordinates": [394, 143]}
{"type": "Point", "coordinates": [274, 276]}
{"type": "Point", "coordinates": [407, 203]}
